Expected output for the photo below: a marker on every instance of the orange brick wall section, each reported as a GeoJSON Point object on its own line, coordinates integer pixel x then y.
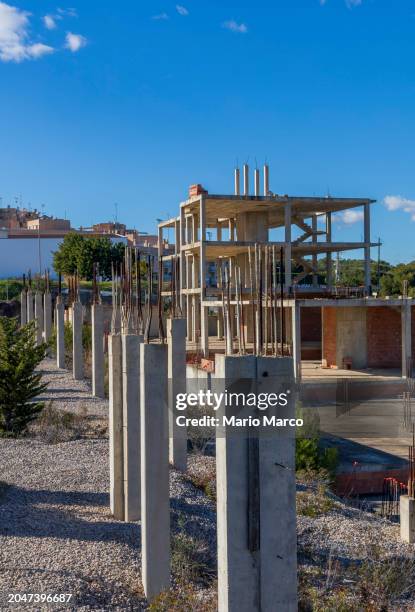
{"type": "Point", "coordinates": [384, 341]}
{"type": "Point", "coordinates": [329, 335]}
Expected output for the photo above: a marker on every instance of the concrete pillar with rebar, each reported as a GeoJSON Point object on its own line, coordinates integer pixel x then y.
{"type": "Point", "coordinates": [77, 348]}
{"type": "Point", "coordinates": [116, 426]}
{"type": "Point", "coordinates": [23, 307]}
{"type": "Point", "coordinates": [39, 317]}
{"type": "Point", "coordinates": [98, 366]}
{"type": "Point", "coordinates": [47, 314]}
{"type": "Point", "coordinates": [155, 506]}
{"type": "Point", "coordinates": [176, 338]}
{"type": "Point", "coordinates": [256, 520]}
{"type": "Point", "coordinates": [60, 332]}
{"type": "Point", "coordinates": [29, 305]}
{"type": "Point", "coordinates": [131, 424]}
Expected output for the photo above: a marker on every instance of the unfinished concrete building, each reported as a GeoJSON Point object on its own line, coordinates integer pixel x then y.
{"type": "Point", "coordinates": [239, 270]}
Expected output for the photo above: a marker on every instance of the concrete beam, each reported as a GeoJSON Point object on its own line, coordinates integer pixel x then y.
{"type": "Point", "coordinates": [77, 348]}
{"type": "Point", "coordinates": [176, 338]}
{"type": "Point", "coordinates": [98, 369]}
{"type": "Point", "coordinates": [155, 506]}
{"type": "Point", "coordinates": [116, 426]}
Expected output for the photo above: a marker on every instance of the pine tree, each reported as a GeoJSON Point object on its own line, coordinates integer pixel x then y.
{"type": "Point", "coordinates": [20, 385]}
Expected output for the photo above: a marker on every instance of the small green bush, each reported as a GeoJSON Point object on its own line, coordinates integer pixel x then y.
{"type": "Point", "coordinates": [20, 385]}
{"type": "Point", "coordinates": [309, 454]}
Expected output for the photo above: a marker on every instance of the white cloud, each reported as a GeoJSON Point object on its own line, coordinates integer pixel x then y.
{"type": "Point", "coordinates": [38, 50]}
{"type": "Point", "coordinates": [160, 17]}
{"type": "Point", "coordinates": [182, 10]}
{"type": "Point", "coordinates": [49, 22]}
{"type": "Point", "coordinates": [352, 3]}
{"type": "Point", "coordinates": [15, 45]}
{"type": "Point", "coordinates": [234, 26]}
{"type": "Point", "coordinates": [397, 202]}
{"type": "Point", "coordinates": [348, 217]}
{"type": "Point", "coordinates": [69, 12]}
{"type": "Point", "coordinates": [74, 42]}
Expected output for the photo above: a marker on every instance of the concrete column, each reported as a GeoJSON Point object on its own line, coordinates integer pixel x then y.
{"type": "Point", "coordinates": [256, 522]}
{"type": "Point", "coordinates": [329, 262]}
{"type": "Point", "coordinates": [189, 317]}
{"type": "Point", "coordinates": [30, 315]}
{"type": "Point", "coordinates": [278, 537]}
{"type": "Point", "coordinates": [176, 337]}
{"type": "Point", "coordinates": [60, 333]}
{"type": "Point", "coordinates": [23, 308]}
{"type": "Point", "coordinates": [407, 519]}
{"type": "Point", "coordinates": [47, 313]}
{"type": "Point", "coordinates": [155, 507]}
{"type": "Point", "coordinates": [220, 324]}
{"type": "Point", "coordinates": [131, 424]}
{"type": "Point", "coordinates": [406, 327]}
{"type": "Point", "coordinates": [30, 312]}
{"type": "Point", "coordinates": [287, 249]}
{"type": "Point", "coordinates": [314, 240]}
{"type": "Point", "coordinates": [296, 340]}
{"type": "Point", "coordinates": [39, 317]}
{"type": "Point", "coordinates": [368, 278]}
{"type": "Point", "coordinates": [204, 329]}
{"type": "Point", "coordinates": [77, 348]}
{"type": "Point", "coordinates": [116, 426]}
{"type": "Point", "coordinates": [97, 320]}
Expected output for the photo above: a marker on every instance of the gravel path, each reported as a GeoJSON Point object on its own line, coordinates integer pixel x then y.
{"type": "Point", "coordinates": [56, 532]}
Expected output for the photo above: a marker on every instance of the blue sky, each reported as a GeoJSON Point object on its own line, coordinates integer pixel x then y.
{"type": "Point", "coordinates": [131, 102]}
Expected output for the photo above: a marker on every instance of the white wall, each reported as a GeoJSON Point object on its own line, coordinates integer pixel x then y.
{"type": "Point", "coordinates": [18, 255]}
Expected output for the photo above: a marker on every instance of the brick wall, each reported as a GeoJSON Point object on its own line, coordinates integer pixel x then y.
{"type": "Point", "coordinates": [311, 324]}
{"type": "Point", "coordinates": [384, 342]}
{"type": "Point", "coordinates": [329, 335]}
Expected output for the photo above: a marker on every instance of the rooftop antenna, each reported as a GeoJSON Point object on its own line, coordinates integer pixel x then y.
{"type": "Point", "coordinates": [116, 212]}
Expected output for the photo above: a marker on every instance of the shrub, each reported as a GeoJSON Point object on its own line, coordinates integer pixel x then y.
{"type": "Point", "coordinates": [309, 454]}
{"type": "Point", "coordinates": [19, 382]}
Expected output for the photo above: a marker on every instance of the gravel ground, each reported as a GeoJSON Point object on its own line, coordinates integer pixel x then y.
{"type": "Point", "coordinates": [56, 532]}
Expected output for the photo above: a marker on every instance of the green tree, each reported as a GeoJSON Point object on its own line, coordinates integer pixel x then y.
{"type": "Point", "coordinates": [20, 384]}
{"type": "Point", "coordinates": [392, 282]}
{"type": "Point", "coordinates": [79, 253]}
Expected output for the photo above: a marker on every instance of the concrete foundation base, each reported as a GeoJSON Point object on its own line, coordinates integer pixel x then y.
{"type": "Point", "coordinates": [116, 427]}
{"type": "Point", "coordinates": [155, 507]}
{"type": "Point", "coordinates": [407, 512]}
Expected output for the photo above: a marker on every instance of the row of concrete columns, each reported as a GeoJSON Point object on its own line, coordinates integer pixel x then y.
{"type": "Point", "coordinates": [144, 382]}
{"type": "Point", "coordinates": [37, 307]}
